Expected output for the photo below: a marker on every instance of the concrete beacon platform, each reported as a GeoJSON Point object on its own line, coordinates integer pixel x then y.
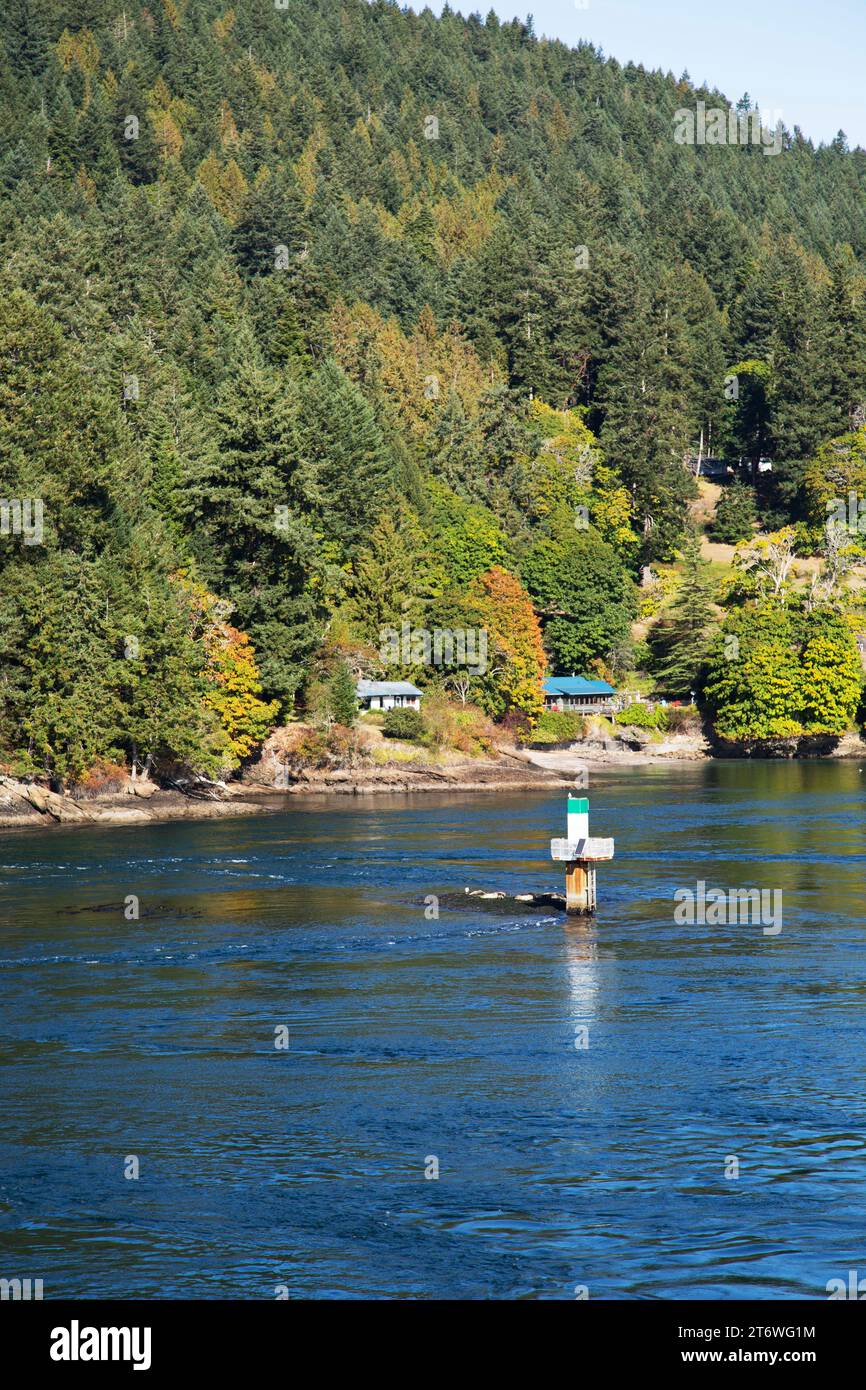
{"type": "Point", "coordinates": [580, 854]}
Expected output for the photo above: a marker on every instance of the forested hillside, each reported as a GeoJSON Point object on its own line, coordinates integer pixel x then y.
{"type": "Point", "coordinates": [320, 316]}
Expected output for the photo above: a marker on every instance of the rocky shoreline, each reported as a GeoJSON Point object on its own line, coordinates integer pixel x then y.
{"type": "Point", "coordinates": [26, 805]}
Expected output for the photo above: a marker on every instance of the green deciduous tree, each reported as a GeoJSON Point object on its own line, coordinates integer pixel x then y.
{"type": "Point", "coordinates": [585, 598]}
{"type": "Point", "coordinates": [777, 674]}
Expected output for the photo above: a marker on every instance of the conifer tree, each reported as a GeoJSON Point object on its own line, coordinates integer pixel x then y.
{"type": "Point", "coordinates": [251, 505]}
{"type": "Point", "coordinates": [680, 640]}
{"type": "Point", "coordinates": [344, 700]}
{"type": "Point", "coordinates": [735, 516]}
{"type": "Point", "coordinates": [348, 457]}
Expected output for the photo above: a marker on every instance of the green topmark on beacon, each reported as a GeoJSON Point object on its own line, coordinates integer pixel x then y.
{"type": "Point", "coordinates": [580, 854]}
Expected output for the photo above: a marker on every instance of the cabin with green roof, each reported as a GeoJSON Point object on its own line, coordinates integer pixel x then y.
{"type": "Point", "coordinates": [578, 694]}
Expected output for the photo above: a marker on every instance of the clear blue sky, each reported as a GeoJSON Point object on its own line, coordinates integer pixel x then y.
{"type": "Point", "coordinates": [803, 58]}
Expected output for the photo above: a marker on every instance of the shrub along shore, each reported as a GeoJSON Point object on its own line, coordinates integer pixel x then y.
{"type": "Point", "coordinates": [393, 754]}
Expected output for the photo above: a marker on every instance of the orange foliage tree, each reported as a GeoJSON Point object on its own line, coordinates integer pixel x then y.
{"type": "Point", "coordinates": [516, 659]}
{"type": "Point", "coordinates": [244, 719]}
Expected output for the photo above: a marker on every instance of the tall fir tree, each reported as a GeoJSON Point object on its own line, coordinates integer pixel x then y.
{"type": "Point", "coordinates": [681, 639]}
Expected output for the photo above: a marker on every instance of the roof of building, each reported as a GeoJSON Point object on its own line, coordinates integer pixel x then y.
{"type": "Point", "coordinates": [708, 464]}
{"type": "Point", "coordinates": [576, 685]}
{"type": "Point", "coordinates": [386, 688]}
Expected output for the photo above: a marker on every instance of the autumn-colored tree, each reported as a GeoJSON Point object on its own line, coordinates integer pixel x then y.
{"type": "Point", "coordinates": [246, 719]}
{"type": "Point", "coordinates": [225, 185]}
{"type": "Point", "coordinates": [232, 676]}
{"type": "Point", "coordinates": [516, 660]}
{"type": "Point", "coordinates": [413, 374]}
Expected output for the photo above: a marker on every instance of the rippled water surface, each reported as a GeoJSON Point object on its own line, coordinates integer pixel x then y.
{"type": "Point", "coordinates": [413, 1038]}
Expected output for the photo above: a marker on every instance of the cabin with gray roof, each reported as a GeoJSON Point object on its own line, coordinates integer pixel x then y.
{"type": "Point", "coordinates": [388, 695]}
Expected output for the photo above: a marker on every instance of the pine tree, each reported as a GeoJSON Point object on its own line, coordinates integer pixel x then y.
{"type": "Point", "coordinates": [271, 228]}
{"type": "Point", "coordinates": [847, 331]}
{"type": "Point", "coordinates": [251, 505]}
{"type": "Point", "coordinates": [387, 582]}
{"type": "Point", "coordinates": [348, 456]}
{"type": "Point", "coordinates": [133, 135]}
{"type": "Point", "coordinates": [645, 433]}
{"type": "Point", "coordinates": [735, 516]}
{"type": "Point", "coordinates": [63, 139]}
{"type": "Point", "coordinates": [343, 697]}
{"type": "Point", "coordinates": [25, 36]}
{"type": "Point", "coordinates": [680, 641]}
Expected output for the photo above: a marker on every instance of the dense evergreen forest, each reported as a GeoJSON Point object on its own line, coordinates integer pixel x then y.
{"type": "Point", "coordinates": [320, 316]}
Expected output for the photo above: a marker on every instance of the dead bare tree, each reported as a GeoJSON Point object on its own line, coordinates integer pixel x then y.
{"type": "Point", "coordinates": [770, 558]}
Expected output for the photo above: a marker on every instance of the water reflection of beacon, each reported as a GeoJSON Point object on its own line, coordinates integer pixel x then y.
{"type": "Point", "coordinates": [580, 854]}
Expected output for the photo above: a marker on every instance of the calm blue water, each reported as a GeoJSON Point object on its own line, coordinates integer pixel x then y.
{"type": "Point", "coordinates": [452, 1038]}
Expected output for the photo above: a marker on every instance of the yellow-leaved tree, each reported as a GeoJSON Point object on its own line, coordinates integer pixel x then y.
{"type": "Point", "coordinates": [516, 654]}
{"type": "Point", "coordinates": [568, 480]}
{"type": "Point", "coordinates": [233, 685]}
